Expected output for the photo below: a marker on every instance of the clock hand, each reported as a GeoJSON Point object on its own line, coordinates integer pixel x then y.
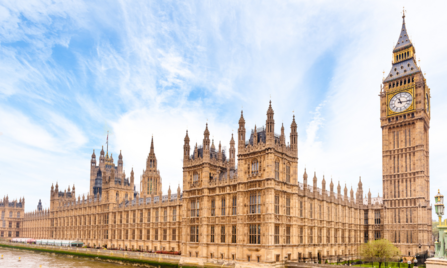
{"type": "Point", "coordinates": [400, 102]}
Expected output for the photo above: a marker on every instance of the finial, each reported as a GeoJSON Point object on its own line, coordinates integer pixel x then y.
{"type": "Point", "coordinates": [403, 12]}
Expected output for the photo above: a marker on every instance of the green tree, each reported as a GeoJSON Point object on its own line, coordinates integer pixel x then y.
{"type": "Point", "coordinates": [380, 250]}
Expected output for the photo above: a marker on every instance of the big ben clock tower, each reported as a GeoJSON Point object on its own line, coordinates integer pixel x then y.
{"type": "Point", "coordinates": [405, 121]}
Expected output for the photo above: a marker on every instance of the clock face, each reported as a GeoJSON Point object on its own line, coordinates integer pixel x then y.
{"type": "Point", "coordinates": [400, 102]}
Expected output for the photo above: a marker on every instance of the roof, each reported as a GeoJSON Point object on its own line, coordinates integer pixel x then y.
{"type": "Point", "coordinates": [404, 39]}
{"type": "Point", "coordinates": [401, 69]}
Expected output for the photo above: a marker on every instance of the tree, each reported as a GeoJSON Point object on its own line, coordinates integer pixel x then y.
{"type": "Point", "coordinates": [379, 250]}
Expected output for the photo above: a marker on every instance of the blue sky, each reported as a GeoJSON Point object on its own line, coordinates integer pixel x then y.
{"type": "Point", "coordinates": [71, 70]}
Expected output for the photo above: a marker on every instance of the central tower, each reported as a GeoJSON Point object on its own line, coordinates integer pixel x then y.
{"type": "Point", "coordinates": [405, 122]}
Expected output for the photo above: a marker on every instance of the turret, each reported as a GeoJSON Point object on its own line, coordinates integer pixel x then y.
{"type": "Point", "coordinates": [101, 156]}
{"type": "Point", "coordinates": [241, 132]}
{"type": "Point", "coordinates": [315, 182]}
{"type": "Point", "coordinates": [345, 192]}
{"type": "Point", "coordinates": [151, 162]}
{"type": "Point", "coordinates": [293, 135]}
{"type": "Point", "coordinates": [219, 153]}
{"type": "Point", "coordinates": [270, 126]}
{"type": "Point", "coordinates": [305, 178]}
{"type": "Point", "coordinates": [93, 161]}
{"type": "Point", "coordinates": [169, 193]}
{"type": "Point", "coordinates": [178, 192]}
{"type": "Point", "coordinates": [232, 152]}
{"type": "Point", "coordinates": [360, 192]}
{"type": "Point", "coordinates": [339, 189]}
{"type": "Point", "coordinates": [282, 139]}
{"type": "Point", "coordinates": [132, 178]}
{"type": "Point", "coordinates": [323, 184]}
{"type": "Point", "coordinates": [120, 163]}
{"type": "Point", "coordinates": [206, 144]}
{"type": "Point", "coordinates": [369, 197]}
{"type": "Point", "coordinates": [255, 136]}
{"type": "Point", "coordinates": [352, 194]}
{"type": "Point", "coordinates": [186, 147]}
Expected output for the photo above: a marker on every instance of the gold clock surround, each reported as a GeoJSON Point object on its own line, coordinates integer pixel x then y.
{"type": "Point", "coordinates": [390, 95]}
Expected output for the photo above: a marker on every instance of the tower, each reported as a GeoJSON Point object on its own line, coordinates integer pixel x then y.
{"type": "Point", "coordinates": [270, 125]}
{"type": "Point", "coordinates": [151, 180]}
{"type": "Point", "coordinates": [405, 123]}
{"type": "Point", "coordinates": [241, 132]}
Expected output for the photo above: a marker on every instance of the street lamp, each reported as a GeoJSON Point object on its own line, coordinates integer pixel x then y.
{"type": "Point", "coordinates": [439, 205]}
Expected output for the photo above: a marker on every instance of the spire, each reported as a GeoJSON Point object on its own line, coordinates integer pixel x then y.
{"type": "Point", "coordinates": [93, 155]}
{"type": "Point", "coordinates": [242, 120]}
{"type": "Point", "coordinates": [186, 137]}
{"type": "Point", "coordinates": [152, 145]}
{"type": "Point", "coordinates": [404, 39]}
{"type": "Point", "coordinates": [102, 150]}
{"type": "Point", "coordinates": [207, 132]}
{"type": "Point", "coordinates": [212, 145]}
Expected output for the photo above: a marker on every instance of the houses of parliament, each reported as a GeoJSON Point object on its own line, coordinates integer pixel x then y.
{"type": "Point", "coordinates": [259, 210]}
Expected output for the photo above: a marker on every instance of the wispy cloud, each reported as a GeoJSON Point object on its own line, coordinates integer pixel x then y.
{"type": "Point", "coordinates": [160, 67]}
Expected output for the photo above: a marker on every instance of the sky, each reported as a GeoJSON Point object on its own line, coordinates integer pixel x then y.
{"type": "Point", "coordinates": [72, 70]}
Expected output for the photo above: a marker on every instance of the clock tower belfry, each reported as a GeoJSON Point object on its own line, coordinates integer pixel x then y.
{"type": "Point", "coordinates": [405, 121]}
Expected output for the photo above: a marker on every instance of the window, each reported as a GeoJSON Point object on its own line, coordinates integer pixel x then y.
{"type": "Point", "coordinates": [234, 205]}
{"type": "Point", "coordinates": [195, 208]}
{"type": "Point", "coordinates": [156, 234]}
{"type": "Point", "coordinates": [254, 167]}
{"type": "Point", "coordinates": [17, 234]}
{"type": "Point", "coordinates": [287, 234]}
{"type": "Point", "coordinates": [174, 234]}
{"type": "Point", "coordinates": [10, 224]}
{"type": "Point", "coordinates": [165, 216]}
{"type": "Point", "coordinates": [277, 170]}
{"type": "Point", "coordinates": [213, 207]}
{"type": "Point", "coordinates": [3, 215]}
{"type": "Point", "coordinates": [276, 204]}
{"type": "Point", "coordinates": [140, 236]}
{"type": "Point", "coordinates": [18, 225]}
{"type": "Point", "coordinates": [288, 206]}
{"type": "Point", "coordinates": [301, 209]}
{"type": "Point", "coordinates": [148, 234]}
{"type": "Point", "coordinates": [222, 234]}
{"type": "Point", "coordinates": [288, 174]}
{"type": "Point", "coordinates": [10, 214]}
{"type": "Point", "coordinates": [365, 213]}
{"type": "Point", "coordinates": [377, 235]}
{"type": "Point", "coordinates": [311, 236]}
{"type": "Point", "coordinates": [141, 216]}
{"type": "Point", "coordinates": [194, 233]}
{"type": "Point", "coordinates": [377, 217]}
{"type": "Point", "coordinates": [255, 202]}
{"type": "Point", "coordinates": [310, 210]}
{"type": "Point", "coordinates": [18, 214]}
{"type": "Point", "coordinates": [174, 214]}
{"type": "Point", "coordinates": [222, 207]}
{"type": "Point", "coordinates": [328, 236]}
{"type": "Point", "coordinates": [255, 234]}
{"type": "Point", "coordinates": [156, 215]}
{"type": "Point", "coordinates": [149, 216]}
{"type": "Point", "coordinates": [276, 234]}
{"type": "Point", "coordinates": [301, 235]}
{"type": "Point", "coordinates": [233, 234]}
{"type": "Point", "coordinates": [195, 178]}
{"type": "Point", "coordinates": [165, 234]}
{"type": "Point", "coordinates": [212, 234]}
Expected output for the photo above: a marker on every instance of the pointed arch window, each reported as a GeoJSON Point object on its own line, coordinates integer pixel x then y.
{"type": "Point", "coordinates": [276, 170]}
{"type": "Point", "coordinates": [254, 167]}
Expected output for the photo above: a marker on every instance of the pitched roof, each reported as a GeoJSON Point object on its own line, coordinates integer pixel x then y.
{"type": "Point", "coordinates": [401, 69]}
{"type": "Point", "coordinates": [404, 39]}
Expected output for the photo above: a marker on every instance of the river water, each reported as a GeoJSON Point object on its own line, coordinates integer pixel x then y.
{"type": "Point", "coordinates": [31, 259]}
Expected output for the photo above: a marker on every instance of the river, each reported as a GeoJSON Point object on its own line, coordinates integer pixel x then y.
{"type": "Point", "coordinates": [31, 259]}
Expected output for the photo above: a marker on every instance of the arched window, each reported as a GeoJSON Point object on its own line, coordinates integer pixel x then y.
{"type": "Point", "coordinates": [254, 167]}
{"type": "Point", "coordinates": [126, 196]}
{"type": "Point", "coordinates": [195, 177]}
{"type": "Point", "coordinates": [117, 196]}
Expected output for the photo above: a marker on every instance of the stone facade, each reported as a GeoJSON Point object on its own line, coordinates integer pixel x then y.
{"type": "Point", "coordinates": [405, 121]}
{"type": "Point", "coordinates": [258, 211]}
{"type": "Point", "coordinates": [12, 214]}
